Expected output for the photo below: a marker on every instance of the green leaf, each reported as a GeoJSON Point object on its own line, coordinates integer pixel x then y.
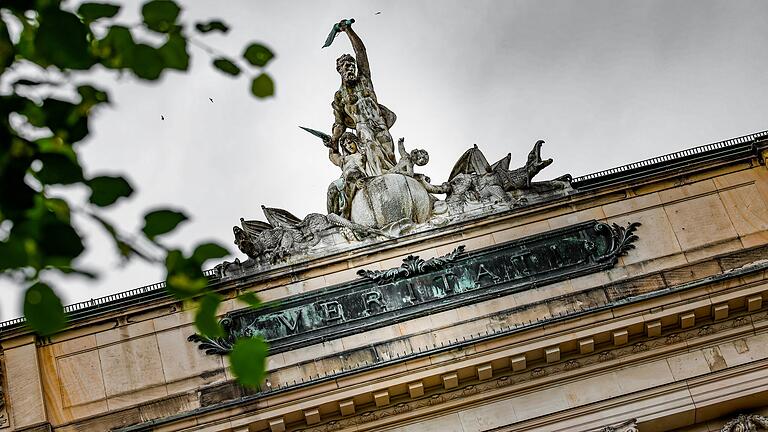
{"type": "Point", "coordinates": [58, 242]}
{"type": "Point", "coordinates": [161, 222]}
{"type": "Point", "coordinates": [91, 96]}
{"type": "Point", "coordinates": [93, 11]}
{"type": "Point", "coordinates": [248, 359]}
{"type": "Point", "coordinates": [174, 53]}
{"type": "Point", "coordinates": [160, 15]}
{"type": "Point", "coordinates": [59, 207]}
{"type": "Point", "coordinates": [13, 254]}
{"type": "Point", "coordinates": [116, 48]}
{"type": "Point", "coordinates": [59, 168]}
{"type": "Point", "coordinates": [185, 279]}
{"type": "Point", "coordinates": [262, 86]}
{"type": "Point", "coordinates": [205, 318]}
{"type": "Point", "coordinates": [6, 47]}
{"type": "Point", "coordinates": [106, 190]}
{"type": "Point", "coordinates": [251, 299]}
{"type": "Point", "coordinates": [30, 83]}
{"type": "Point", "coordinates": [146, 62]}
{"type": "Point", "coordinates": [210, 26]}
{"type": "Point", "coordinates": [123, 248]}
{"type": "Point", "coordinates": [258, 55]}
{"type": "Point", "coordinates": [208, 251]}
{"type": "Point", "coordinates": [65, 119]}
{"type": "Point", "coordinates": [15, 194]}
{"type": "Point", "coordinates": [226, 66]}
{"type": "Point", "coordinates": [77, 271]}
{"type": "Point", "coordinates": [62, 40]}
{"type": "Point", "coordinates": [43, 310]}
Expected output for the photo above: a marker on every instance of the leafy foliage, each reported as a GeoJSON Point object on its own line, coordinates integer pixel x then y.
{"type": "Point", "coordinates": [248, 359]}
{"type": "Point", "coordinates": [160, 222]}
{"type": "Point", "coordinates": [262, 86]}
{"type": "Point", "coordinates": [38, 133]}
{"type": "Point", "coordinates": [226, 66]}
{"type": "Point", "coordinates": [160, 15]}
{"type": "Point", "coordinates": [205, 320]}
{"type": "Point", "coordinates": [212, 26]}
{"type": "Point", "coordinates": [106, 190]}
{"type": "Point", "coordinates": [90, 12]}
{"type": "Point", "coordinates": [43, 309]}
{"type": "Point", "coordinates": [258, 55]}
{"type": "Point", "coordinates": [250, 299]}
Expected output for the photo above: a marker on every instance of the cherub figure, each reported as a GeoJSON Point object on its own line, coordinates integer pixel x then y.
{"type": "Point", "coordinates": [408, 160]}
{"type": "Point", "coordinates": [352, 163]}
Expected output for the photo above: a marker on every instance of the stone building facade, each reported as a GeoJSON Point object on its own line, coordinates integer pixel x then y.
{"type": "Point", "coordinates": [637, 302]}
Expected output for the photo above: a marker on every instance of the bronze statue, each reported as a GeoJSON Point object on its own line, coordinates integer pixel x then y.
{"type": "Point", "coordinates": [356, 106]}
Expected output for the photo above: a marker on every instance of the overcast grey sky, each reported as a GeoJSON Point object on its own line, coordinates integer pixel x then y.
{"type": "Point", "coordinates": [603, 82]}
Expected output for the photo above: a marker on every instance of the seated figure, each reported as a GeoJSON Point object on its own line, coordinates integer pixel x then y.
{"type": "Point", "coordinates": [352, 164]}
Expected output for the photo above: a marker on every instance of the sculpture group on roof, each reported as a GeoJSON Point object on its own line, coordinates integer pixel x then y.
{"type": "Point", "coordinates": [379, 194]}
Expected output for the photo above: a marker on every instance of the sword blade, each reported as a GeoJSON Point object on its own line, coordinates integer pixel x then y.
{"type": "Point", "coordinates": [331, 36]}
{"type": "Point", "coordinates": [323, 136]}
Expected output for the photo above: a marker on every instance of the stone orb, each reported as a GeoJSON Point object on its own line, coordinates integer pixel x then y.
{"type": "Point", "coordinates": [389, 199]}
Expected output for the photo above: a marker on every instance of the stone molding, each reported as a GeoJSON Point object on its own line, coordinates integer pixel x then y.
{"type": "Point", "coordinates": [4, 418]}
{"type": "Point", "coordinates": [746, 423]}
{"type": "Point", "coordinates": [422, 287]}
{"type": "Point", "coordinates": [627, 426]}
{"type": "Point", "coordinates": [702, 335]}
{"type": "Point", "coordinates": [593, 362]}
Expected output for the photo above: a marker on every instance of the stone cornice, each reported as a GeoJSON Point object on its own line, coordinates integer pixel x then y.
{"type": "Point", "coordinates": [748, 152]}
{"type": "Point", "coordinates": [424, 287]}
{"type": "Point", "coordinates": [706, 331]}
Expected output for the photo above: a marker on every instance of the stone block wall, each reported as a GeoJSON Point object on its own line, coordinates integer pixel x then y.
{"type": "Point", "coordinates": [137, 365]}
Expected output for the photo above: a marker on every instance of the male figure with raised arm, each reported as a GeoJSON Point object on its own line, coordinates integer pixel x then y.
{"type": "Point", "coordinates": [356, 106]}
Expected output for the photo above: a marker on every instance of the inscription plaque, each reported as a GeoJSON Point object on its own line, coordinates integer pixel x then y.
{"type": "Point", "coordinates": [421, 287]}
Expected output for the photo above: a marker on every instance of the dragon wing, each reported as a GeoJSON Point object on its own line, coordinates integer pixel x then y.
{"type": "Point", "coordinates": [471, 162]}
{"type": "Point", "coordinates": [280, 218]}
{"type": "Point", "coordinates": [254, 227]}
{"type": "Point", "coordinates": [502, 169]}
{"type": "Point", "coordinates": [502, 163]}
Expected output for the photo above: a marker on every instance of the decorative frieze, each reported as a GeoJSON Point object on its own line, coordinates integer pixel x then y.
{"type": "Point", "coordinates": [746, 423]}
{"type": "Point", "coordinates": [627, 426]}
{"type": "Point", "coordinates": [518, 375]}
{"type": "Point", "coordinates": [4, 421]}
{"type": "Point", "coordinates": [419, 287]}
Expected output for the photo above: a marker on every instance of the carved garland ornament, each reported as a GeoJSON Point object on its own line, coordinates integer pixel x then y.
{"type": "Point", "coordinates": [412, 266]}
{"type": "Point", "coordinates": [627, 426]}
{"type": "Point", "coordinates": [746, 423]}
